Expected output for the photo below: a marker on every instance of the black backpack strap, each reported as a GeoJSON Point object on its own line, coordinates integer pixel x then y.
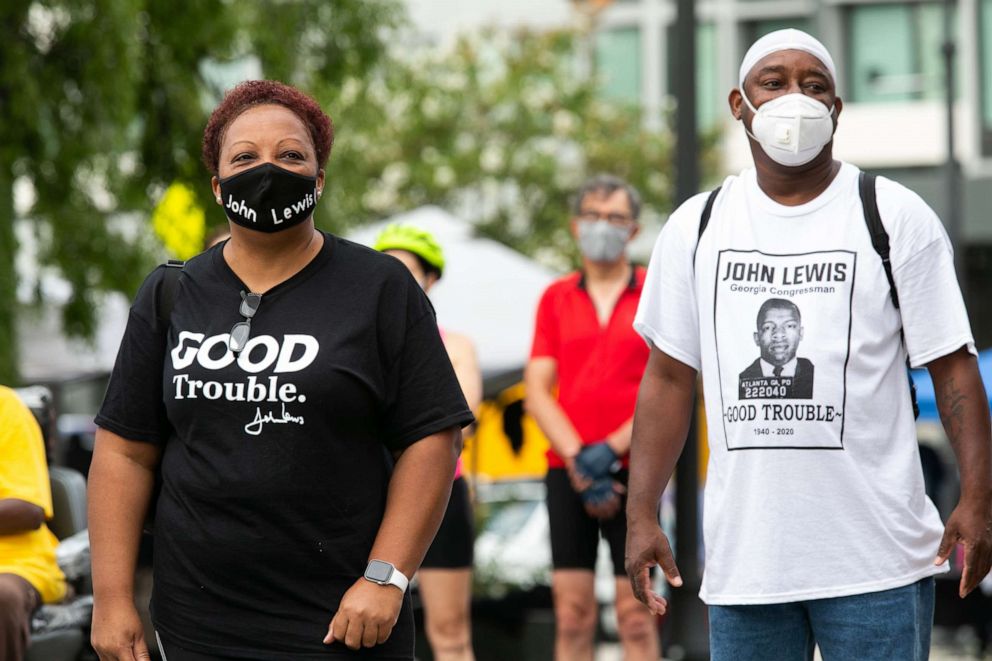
{"type": "Point", "coordinates": [163, 312]}
{"type": "Point", "coordinates": [879, 237]}
{"type": "Point", "coordinates": [704, 220]}
{"type": "Point", "coordinates": [167, 295]}
{"type": "Point", "coordinates": [880, 242]}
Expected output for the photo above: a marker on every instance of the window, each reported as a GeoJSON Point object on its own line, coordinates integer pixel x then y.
{"type": "Point", "coordinates": [711, 104]}
{"type": "Point", "coordinates": [711, 101]}
{"type": "Point", "coordinates": [985, 71]}
{"type": "Point", "coordinates": [618, 61]}
{"type": "Point", "coordinates": [894, 52]}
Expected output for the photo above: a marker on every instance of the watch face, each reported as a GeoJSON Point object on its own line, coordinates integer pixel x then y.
{"type": "Point", "coordinates": [378, 571]}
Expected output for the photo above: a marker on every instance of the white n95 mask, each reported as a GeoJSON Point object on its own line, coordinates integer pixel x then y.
{"type": "Point", "coordinates": [792, 129]}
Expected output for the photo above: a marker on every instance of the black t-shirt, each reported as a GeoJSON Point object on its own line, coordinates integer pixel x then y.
{"type": "Point", "coordinates": [275, 465]}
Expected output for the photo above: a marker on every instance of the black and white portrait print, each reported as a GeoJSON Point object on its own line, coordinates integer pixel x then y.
{"type": "Point", "coordinates": [777, 372]}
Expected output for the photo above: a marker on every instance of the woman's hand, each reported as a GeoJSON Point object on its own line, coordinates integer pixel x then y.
{"type": "Point", "coordinates": [366, 615]}
{"type": "Point", "coordinates": [117, 633]}
{"type": "Point", "coordinates": [115, 519]}
{"type": "Point", "coordinates": [418, 493]}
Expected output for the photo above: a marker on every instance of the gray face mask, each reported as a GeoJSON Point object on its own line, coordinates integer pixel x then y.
{"type": "Point", "coordinates": [601, 241]}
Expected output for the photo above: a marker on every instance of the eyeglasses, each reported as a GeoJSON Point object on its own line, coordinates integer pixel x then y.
{"type": "Point", "coordinates": [612, 218]}
{"type": "Point", "coordinates": [241, 330]}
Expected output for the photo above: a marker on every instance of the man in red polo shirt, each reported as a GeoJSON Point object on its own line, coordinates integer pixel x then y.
{"type": "Point", "coordinates": [585, 348]}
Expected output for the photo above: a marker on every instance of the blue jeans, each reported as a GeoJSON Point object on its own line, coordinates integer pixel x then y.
{"type": "Point", "coordinates": [882, 626]}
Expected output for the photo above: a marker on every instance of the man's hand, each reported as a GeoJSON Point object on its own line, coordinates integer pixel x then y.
{"type": "Point", "coordinates": [366, 615]}
{"type": "Point", "coordinates": [117, 633]}
{"type": "Point", "coordinates": [602, 499]}
{"type": "Point", "coordinates": [595, 460]}
{"type": "Point", "coordinates": [964, 411]}
{"type": "Point", "coordinates": [971, 526]}
{"type": "Point", "coordinates": [648, 547]}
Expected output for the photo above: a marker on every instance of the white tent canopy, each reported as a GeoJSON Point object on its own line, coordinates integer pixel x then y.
{"type": "Point", "coordinates": [489, 291]}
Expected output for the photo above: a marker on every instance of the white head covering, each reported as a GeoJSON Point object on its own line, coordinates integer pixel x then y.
{"type": "Point", "coordinates": [788, 39]}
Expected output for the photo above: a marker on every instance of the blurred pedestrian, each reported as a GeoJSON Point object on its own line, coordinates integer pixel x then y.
{"type": "Point", "coordinates": [581, 387]}
{"type": "Point", "coordinates": [290, 361]}
{"type": "Point", "coordinates": [445, 576]}
{"type": "Point", "coordinates": [817, 528]}
{"type": "Point", "coordinates": [29, 575]}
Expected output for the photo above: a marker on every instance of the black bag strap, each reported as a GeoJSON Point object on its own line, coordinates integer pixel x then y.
{"type": "Point", "coordinates": [879, 237]}
{"type": "Point", "coordinates": [704, 220]}
{"type": "Point", "coordinates": [880, 242]}
{"type": "Point", "coordinates": [163, 311]}
{"type": "Point", "coordinates": [170, 286]}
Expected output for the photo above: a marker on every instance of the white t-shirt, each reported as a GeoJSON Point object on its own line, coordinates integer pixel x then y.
{"type": "Point", "coordinates": [814, 487]}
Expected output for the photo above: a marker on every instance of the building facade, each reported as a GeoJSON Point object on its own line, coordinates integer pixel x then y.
{"type": "Point", "coordinates": [890, 61]}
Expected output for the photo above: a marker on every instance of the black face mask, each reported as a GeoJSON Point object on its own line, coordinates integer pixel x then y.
{"type": "Point", "coordinates": [268, 198]}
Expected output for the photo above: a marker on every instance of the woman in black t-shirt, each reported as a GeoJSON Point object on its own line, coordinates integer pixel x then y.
{"type": "Point", "coordinates": [290, 365]}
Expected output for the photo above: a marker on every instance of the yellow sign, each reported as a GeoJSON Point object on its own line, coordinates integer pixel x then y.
{"type": "Point", "coordinates": [179, 221]}
{"type": "Point", "coordinates": [507, 444]}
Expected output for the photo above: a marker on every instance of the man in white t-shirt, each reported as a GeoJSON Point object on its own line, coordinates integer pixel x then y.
{"type": "Point", "coordinates": [816, 525]}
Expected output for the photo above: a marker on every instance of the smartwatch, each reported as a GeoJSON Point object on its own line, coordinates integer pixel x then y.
{"type": "Point", "coordinates": [385, 573]}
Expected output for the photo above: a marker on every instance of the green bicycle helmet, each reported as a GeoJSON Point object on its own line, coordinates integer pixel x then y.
{"type": "Point", "coordinates": [414, 240]}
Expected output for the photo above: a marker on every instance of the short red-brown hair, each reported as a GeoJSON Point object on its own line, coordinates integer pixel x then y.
{"type": "Point", "coordinates": [258, 92]}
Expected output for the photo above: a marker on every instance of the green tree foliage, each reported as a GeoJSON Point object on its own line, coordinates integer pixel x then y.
{"type": "Point", "coordinates": [501, 128]}
{"type": "Point", "coordinates": [102, 105]}
{"type": "Point", "coordinates": [310, 42]}
{"type": "Point", "coordinates": [61, 111]}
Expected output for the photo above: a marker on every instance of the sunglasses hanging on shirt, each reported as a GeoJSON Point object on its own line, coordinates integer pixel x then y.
{"type": "Point", "coordinates": [242, 330]}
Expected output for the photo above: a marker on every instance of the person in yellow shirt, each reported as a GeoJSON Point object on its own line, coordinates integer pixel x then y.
{"type": "Point", "coordinates": [29, 575]}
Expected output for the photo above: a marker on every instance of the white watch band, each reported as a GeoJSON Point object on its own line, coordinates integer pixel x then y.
{"type": "Point", "coordinates": [386, 573]}
{"type": "Point", "coordinates": [399, 579]}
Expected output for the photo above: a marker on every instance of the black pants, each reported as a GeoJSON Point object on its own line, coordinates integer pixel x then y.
{"type": "Point", "coordinates": [452, 546]}
{"type": "Point", "coordinates": [575, 534]}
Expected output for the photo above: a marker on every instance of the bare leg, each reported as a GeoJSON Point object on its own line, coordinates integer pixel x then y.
{"type": "Point", "coordinates": [637, 626]}
{"type": "Point", "coordinates": [18, 599]}
{"type": "Point", "coordinates": [447, 594]}
{"type": "Point", "coordinates": [575, 614]}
